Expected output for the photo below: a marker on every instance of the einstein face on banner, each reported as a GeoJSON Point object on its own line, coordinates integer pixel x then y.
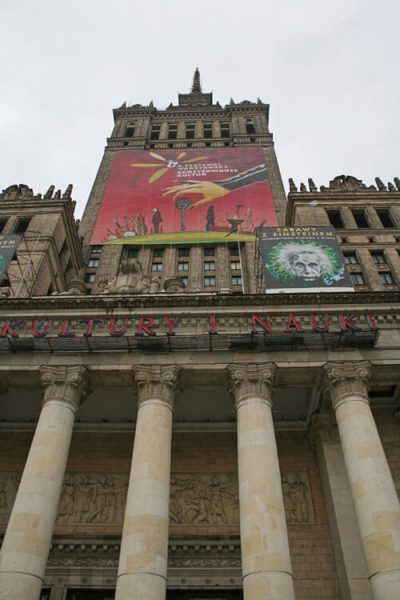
{"type": "Point", "coordinates": [307, 262]}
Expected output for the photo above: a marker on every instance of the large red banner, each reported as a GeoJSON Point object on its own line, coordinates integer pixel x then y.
{"type": "Point", "coordinates": [189, 196]}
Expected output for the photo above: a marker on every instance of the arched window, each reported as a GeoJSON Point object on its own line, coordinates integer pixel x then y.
{"type": "Point", "coordinates": [250, 126]}
{"type": "Point", "coordinates": [130, 130]}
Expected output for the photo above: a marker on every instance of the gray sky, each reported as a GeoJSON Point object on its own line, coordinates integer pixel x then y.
{"type": "Point", "coordinates": [329, 70]}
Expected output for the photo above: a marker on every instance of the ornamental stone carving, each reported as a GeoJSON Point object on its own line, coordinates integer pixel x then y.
{"type": "Point", "coordinates": [67, 384]}
{"type": "Point", "coordinates": [249, 381]}
{"type": "Point", "coordinates": [156, 383]}
{"type": "Point", "coordinates": [346, 380]}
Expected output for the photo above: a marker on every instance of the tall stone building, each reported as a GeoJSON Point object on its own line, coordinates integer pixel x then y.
{"type": "Point", "coordinates": [265, 429]}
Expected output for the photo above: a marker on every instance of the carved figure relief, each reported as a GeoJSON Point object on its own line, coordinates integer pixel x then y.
{"type": "Point", "coordinates": [297, 498]}
{"type": "Point", "coordinates": [8, 490]}
{"type": "Point", "coordinates": [93, 498]}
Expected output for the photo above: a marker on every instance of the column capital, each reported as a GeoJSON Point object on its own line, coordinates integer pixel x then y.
{"type": "Point", "coordinates": [252, 380]}
{"type": "Point", "coordinates": [156, 382]}
{"type": "Point", "coordinates": [67, 384]}
{"type": "Point", "coordinates": [347, 380]}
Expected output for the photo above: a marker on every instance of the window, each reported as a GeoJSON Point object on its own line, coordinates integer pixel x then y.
{"type": "Point", "coordinates": [225, 130]}
{"type": "Point", "coordinates": [96, 249]}
{"type": "Point", "coordinates": [184, 280]}
{"type": "Point", "coordinates": [158, 252]}
{"type": "Point", "coordinates": [156, 267]}
{"type": "Point", "coordinates": [209, 281]}
{"type": "Point", "coordinates": [172, 131]}
{"type": "Point", "coordinates": [250, 129]}
{"type": "Point", "coordinates": [22, 225]}
{"type": "Point", "coordinates": [235, 265]}
{"type": "Point", "coordinates": [335, 219]}
{"type": "Point", "coordinates": [93, 263]}
{"type": "Point", "coordinates": [209, 265]}
{"type": "Point", "coordinates": [236, 280]}
{"type": "Point", "coordinates": [378, 257]}
{"type": "Point", "coordinates": [183, 252]}
{"type": "Point", "coordinates": [386, 278]}
{"type": "Point", "coordinates": [209, 251]}
{"type": "Point", "coordinates": [3, 223]}
{"type": "Point", "coordinates": [207, 130]}
{"type": "Point", "coordinates": [155, 132]}
{"type": "Point", "coordinates": [234, 250]}
{"type": "Point", "coordinates": [130, 130]}
{"type": "Point", "coordinates": [385, 217]}
{"type": "Point", "coordinates": [350, 258]}
{"type": "Point", "coordinates": [132, 253]}
{"type": "Point", "coordinates": [89, 277]}
{"type": "Point", "coordinates": [360, 218]}
{"type": "Point", "coordinates": [190, 130]}
{"type": "Point", "coordinates": [183, 266]}
{"type": "Point", "coordinates": [357, 279]}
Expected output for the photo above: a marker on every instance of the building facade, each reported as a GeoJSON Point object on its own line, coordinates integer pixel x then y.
{"type": "Point", "coordinates": [168, 427]}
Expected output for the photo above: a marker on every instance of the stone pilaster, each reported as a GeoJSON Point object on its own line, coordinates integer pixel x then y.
{"type": "Point", "coordinates": [142, 570]}
{"type": "Point", "coordinates": [266, 565]}
{"type": "Point", "coordinates": [374, 495]}
{"type": "Point", "coordinates": [26, 545]}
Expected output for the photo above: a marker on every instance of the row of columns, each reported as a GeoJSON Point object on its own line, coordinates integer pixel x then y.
{"type": "Point", "coordinates": [266, 562]}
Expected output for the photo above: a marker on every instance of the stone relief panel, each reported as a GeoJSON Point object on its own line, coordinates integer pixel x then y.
{"type": "Point", "coordinates": [199, 499]}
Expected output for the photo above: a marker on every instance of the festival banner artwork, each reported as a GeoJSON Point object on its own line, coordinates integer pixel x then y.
{"type": "Point", "coordinates": [302, 259]}
{"type": "Point", "coordinates": [183, 197]}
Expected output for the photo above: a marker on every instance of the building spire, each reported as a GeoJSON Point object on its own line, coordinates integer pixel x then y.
{"type": "Point", "coordinates": [196, 85]}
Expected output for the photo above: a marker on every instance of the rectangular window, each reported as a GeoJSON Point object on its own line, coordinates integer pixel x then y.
{"type": "Point", "coordinates": [156, 267]}
{"type": "Point", "coordinates": [158, 252]}
{"type": "Point", "coordinates": [22, 225]}
{"type": "Point", "coordinates": [236, 280]}
{"type": "Point", "coordinates": [183, 266]}
{"type": "Point", "coordinates": [357, 279]}
{"type": "Point", "coordinates": [183, 252]}
{"type": "Point", "coordinates": [209, 265]}
{"type": "Point", "coordinates": [234, 250]}
{"type": "Point", "coordinates": [360, 218]}
{"type": "Point", "coordinates": [184, 280]}
{"type": "Point", "coordinates": [207, 130]}
{"type": "Point", "coordinates": [3, 223]}
{"type": "Point", "coordinates": [386, 278]}
{"type": "Point", "coordinates": [132, 253]}
{"type": "Point", "coordinates": [190, 130]}
{"type": "Point", "coordinates": [335, 219]}
{"type": "Point", "coordinates": [155, 132]}
{"type": "Point", "coordinates": [378, 257]}
{"type": "Point", "coordinates": [235, 265]}
{"type": "Point", "coordinates": [89, 277]}
{"type": "Point", "coordinates": [350, 258]}
{"type": "Point", "coordinates": [93, 263]}
{"type": "Point", "coordinates": [209, 251]}
{"type": "Point", "coordinates": [209, 281]}
{"type": "Point", "coordinates": [130, 130]}
{"type": "Point", "coordinates": [385, 217]}
{"type": "Point", "coordinates": [96, 249]}
{"type": "Point", "coordinates": [172, 131]}
{"type": "Point", "coordinates": [225, 130]}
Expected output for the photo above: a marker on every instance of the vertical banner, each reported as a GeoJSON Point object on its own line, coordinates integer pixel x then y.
{"type": "Point", "coordinates": [302, 259]}
{"type": "Point", "coordinates": [185, 197]}
{"type": "Point", "coordinates": [8, 247]}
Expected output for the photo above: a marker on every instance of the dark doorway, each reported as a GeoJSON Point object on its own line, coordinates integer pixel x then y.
{"type": "Point", "coordinates": [88, 594]}
{"type": "Point", "coordinates": [206, 595]}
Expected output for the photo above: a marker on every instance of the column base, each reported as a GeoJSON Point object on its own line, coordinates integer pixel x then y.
{"type": "Point", "coordinates": [386, 585]}
{"type": "Point", "coordinates": [137, 586]}
{"type": "Point", "coordinates": [15, 586]}
{"type": "Point", "coordinates": [268, 585]}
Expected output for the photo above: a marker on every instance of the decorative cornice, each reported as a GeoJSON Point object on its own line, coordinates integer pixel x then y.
{"type": "Point", "coordinates": [249, 381]}
{"type": "Point", "coordinates": [156, 383]}
{"type": "Point", "coordinates": [67, 384]}
{"type": "Point", "coordinates": [347, 381]}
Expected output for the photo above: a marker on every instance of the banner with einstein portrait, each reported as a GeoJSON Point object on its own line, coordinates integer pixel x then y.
{"type": "Point", "coordinates": [302, 259]}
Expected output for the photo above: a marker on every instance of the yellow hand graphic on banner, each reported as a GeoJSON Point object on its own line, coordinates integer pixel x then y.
{"type": "Point", "coordinates": [209, 190]}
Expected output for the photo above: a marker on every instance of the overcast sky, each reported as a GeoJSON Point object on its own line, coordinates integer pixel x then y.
{"type": "Point", "coordinates": [328, 69]}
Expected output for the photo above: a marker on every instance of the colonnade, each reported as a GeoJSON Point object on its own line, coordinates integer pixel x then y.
{"type": "Point", "coordinates": [266, 561]}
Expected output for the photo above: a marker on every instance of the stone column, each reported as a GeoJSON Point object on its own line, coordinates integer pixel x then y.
{"type": "Point", "coordinates": [374, 495]}
{"type": "Point", "coordinates": [26, 544]}
{"type": "Point", "coordinates": [266, 566]}
{"type": "Point", "coordinates": [142, 570]}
